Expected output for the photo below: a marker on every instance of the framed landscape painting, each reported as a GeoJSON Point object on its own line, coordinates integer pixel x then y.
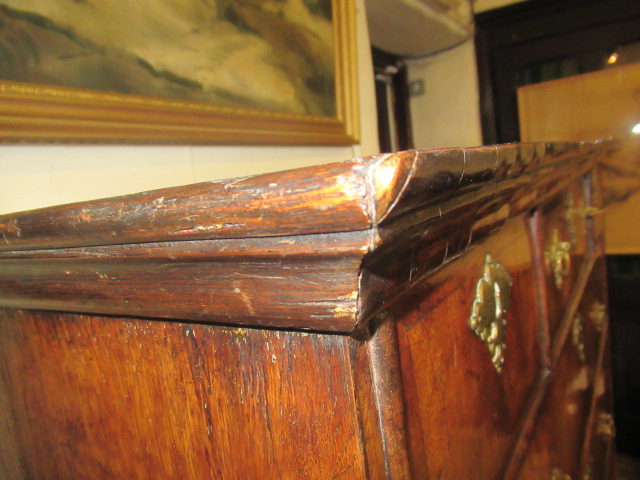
{"type": "Point", "coordinates": [178, 71]}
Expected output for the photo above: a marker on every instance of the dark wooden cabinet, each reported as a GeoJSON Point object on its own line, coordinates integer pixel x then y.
{"type": "Point", "coordinates": [427, 315]}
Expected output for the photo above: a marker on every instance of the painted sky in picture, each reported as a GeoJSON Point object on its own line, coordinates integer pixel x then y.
{"type": "Point", "coordinates": [266, 54]}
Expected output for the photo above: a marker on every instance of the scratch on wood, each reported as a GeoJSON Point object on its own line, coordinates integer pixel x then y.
{"type": "Point", "coordinates": [84, 215]}
{"type": "Point", "coordinates": [246, 299]}
{"type": "Point", "coordinates": [342, 311]}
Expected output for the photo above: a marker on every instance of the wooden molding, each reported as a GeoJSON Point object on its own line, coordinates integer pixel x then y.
{"type": "Point", "coordinates": [325, 234]}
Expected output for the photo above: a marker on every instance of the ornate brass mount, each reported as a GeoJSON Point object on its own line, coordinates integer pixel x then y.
{"type": "Point", "coordinates": [558, 258]}
{"type": "Point", "coordinates": [557, 474]}
{"type": "Point", "coordinates": [577, 333]}
{"type": "Point", "coordinates": [493, 292]}
{"type": "Point", "coordinates": [598, 315]}
{"type": "Point", "coordinates": [606, 428]}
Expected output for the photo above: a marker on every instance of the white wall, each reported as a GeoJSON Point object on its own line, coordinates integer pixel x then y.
{"type": "Point", "coordinates": [37, 176]}
{"type": "Point", "coordinates": [448, 113]}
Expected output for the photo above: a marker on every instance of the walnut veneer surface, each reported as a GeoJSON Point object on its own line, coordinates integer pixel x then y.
{"type": "Point", "coordinates": [427, 315]}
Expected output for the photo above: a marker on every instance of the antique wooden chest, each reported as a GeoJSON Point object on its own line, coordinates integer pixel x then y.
{"type": "Point", "coordinates": [427, 314]}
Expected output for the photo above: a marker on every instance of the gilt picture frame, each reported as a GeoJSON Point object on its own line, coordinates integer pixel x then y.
{"type": "Point", "coordinates": [162, 95]}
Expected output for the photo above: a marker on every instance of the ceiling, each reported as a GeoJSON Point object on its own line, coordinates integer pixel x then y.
{"type": "Point", "coordinates": [411, 28]}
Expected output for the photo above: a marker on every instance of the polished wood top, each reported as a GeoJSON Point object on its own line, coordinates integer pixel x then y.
{"type": "Point", "coordinates": [354, 195]}
{"type": "Point", "coordinates": [254, 250]}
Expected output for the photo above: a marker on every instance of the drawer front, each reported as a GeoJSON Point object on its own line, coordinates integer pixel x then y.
{"type": "Point", "coordinates": [562, 444]}
{"type": "Point", "coordinates": [464, 398]}
{"type": "Point", "coordinates": [561, 422]}
{"type": "Point", "coordinates": [591, 320]}
{"type": "Point", "coordinates": [598, 451]}
{"type": "Point", "coordinates": [597, 458]}
{"type": "Point", "coordinates": [574, 432]}
{"type": "Point", "coordinates": [563, 241]}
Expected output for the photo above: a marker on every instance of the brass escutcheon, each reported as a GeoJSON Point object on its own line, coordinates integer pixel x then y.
{"type": "Point", "coordinates": [487, 320]}
{"type": "Point", "coordinates": [558, 258]}
{"type": "Point", "coordinates": [577, 334]}
{"type": "Point", "coordinates": [598, 315]}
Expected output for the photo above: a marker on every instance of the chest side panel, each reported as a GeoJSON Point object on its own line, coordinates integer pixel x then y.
{"type": "Point", "coordinates": [106, 397]}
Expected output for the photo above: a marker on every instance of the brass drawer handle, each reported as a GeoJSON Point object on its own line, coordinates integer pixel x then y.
{"type": "Point", "coordinates": [598, 315]}
{"type": "Point", "coordinates": [605, 427]}
{"type": "Point", "coordinates": [557, 474]}
{"type": "Point", "coordinates": [493, 293]}
{"type": "Point", "coordinates": [558, 258]}
{"type": "Point", "coordinates": [585, 212]}
{"type": "Point", "coordinates": [577, 334]}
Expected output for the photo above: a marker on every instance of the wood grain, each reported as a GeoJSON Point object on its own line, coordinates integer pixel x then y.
{"type": "Point", "coordinates": [354, 195]}
{"type": "Point", "coordinates": [560, 426]}
{"type": "Point", "coordinates": [419, 242]}
{"type": "Point", "coordinates": [379, 259]}
{"type": "Point", "coordinates": [386, 381]}
{"type": "Point", "coordinates": [598, 449]}
{"type": "Point", "coordinates": [337, 226]}
{"type": "Point", "coordinates": [320, 199]}
{"type": "Point", "coordinates": [565, 421]}
{"type": "Point", "coordinates": [558, 412]}
{"type": "Point", "coordinates": [464, 413]}
{"type": "Point", "coordinates": [97, 397]}
{"type": "Point", "coordinates": [214, 281]}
